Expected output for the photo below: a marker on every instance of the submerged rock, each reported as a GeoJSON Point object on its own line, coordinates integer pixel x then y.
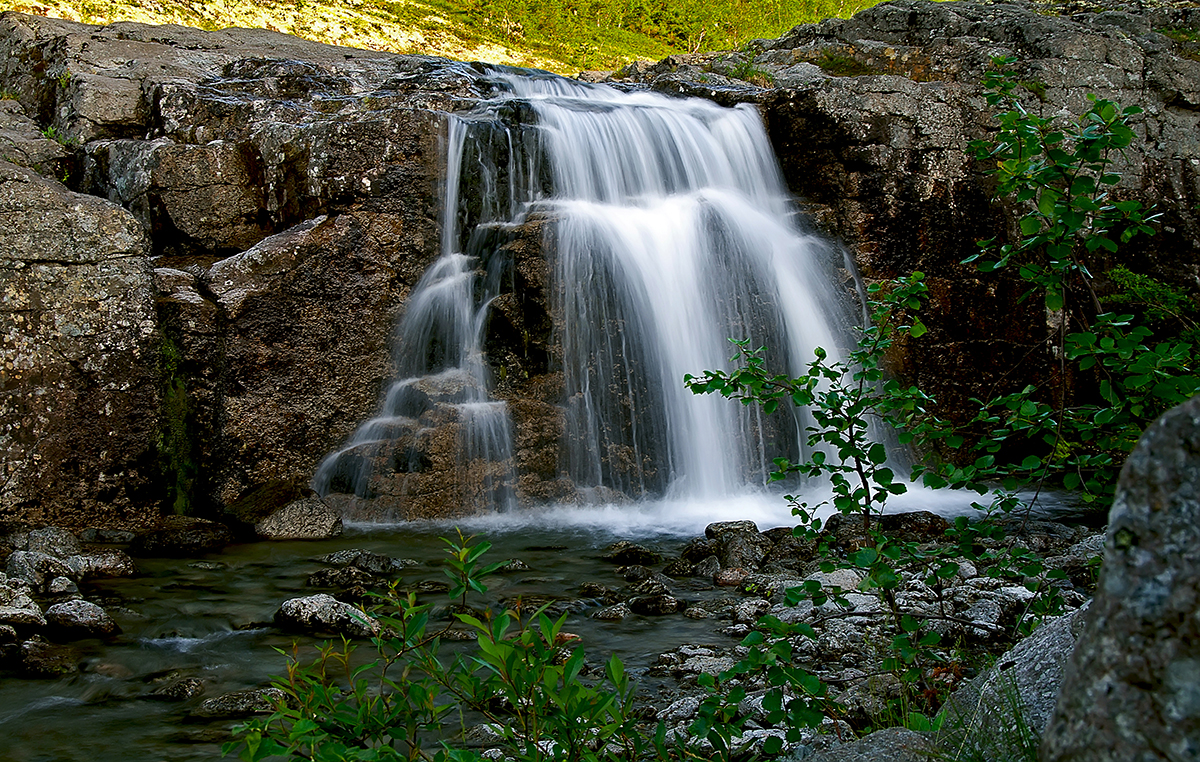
{"type": "Point", "coordinates": [178, 690]}
{"type": "Point", "coordinates": [239, 704]}
{"type": "Point", "coordinates": [627, 553]}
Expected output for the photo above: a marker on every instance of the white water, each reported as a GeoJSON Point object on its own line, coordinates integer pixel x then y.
{"type": "Point", "coordinates": [673, 233]}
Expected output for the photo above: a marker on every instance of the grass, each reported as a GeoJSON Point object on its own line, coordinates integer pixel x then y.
{"type": "Point", "coordinates": [564, 36]}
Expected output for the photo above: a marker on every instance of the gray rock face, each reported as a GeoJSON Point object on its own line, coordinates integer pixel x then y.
{"type": "Point", "coordinates": [1132, 686]}
{"type": "Point", "coordinates": [17, 608]}
{"type": "Point", "coordinates": [80, 619]}
{"type": "Point", "coordinates": [79, 336]}
{"type": "Point", "coordinates": [887, 745]}
{"type": "Point", "coordinates": [1002, 713]}
{"type": "Point", "coordinates": [324, 614]}
{"type": "Point", "coordinates": [38, 569]}
{"type": "Point", "coordinates": [307, 519]}
{"type": "Point", "coordinates": [54, 542]}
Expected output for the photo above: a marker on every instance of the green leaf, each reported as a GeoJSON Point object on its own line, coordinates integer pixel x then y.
{"type": "Point", "coordinates": [917, 329]}
{"type": "Point", "coordinates": [1030, 225]}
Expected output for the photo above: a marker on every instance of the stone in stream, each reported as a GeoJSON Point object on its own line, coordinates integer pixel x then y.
{"type": "Point", "coordinates": [715, 530]}
{"type": "Point", "coordinates": [182, 536]}
{"type": "Point", "coordinates": [80, 619]}
{"type": "Point", "coordinates": [1131, 690]}
{"type": "Point", "coordinates": [654, 605]}
{"type": "Point", "coordinates": [239, 704]}
{"type": "Point", "coordinates": [54, 542]}
{"type": "Point", "coordinates": [305, 519]}
{"type": "Point", "coordinates": [323, 614]}
{"type": "Point", "coordinates": [17, 607]}
{"type": "Point", "coordinates": [627, 553]}
{"type": "Point", "coordinates": [178, 690]}
{"type": "Point", "coordinates": [38, 658]}
{"type": "Point", "coordinates": [614, 613]}
{"type": "Point", "coordinates": [38, 569]}
{"type": "Point", "coordinates": [98, 564]}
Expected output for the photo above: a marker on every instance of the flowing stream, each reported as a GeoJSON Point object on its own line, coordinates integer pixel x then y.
{"type": "Point", "coordinates": [671, 233]}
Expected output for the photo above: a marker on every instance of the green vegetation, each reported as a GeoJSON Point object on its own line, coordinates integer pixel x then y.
{"type": "Point", "coordinates": [843, 66]}
{"type": "Point", "coordinates": [559, 35]}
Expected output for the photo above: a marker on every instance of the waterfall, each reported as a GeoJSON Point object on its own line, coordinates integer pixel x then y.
{"type": "Point", "coordinates": [669, 231]}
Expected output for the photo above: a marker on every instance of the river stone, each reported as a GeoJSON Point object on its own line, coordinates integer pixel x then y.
{"type": "Point", "coordinates": [368, 561]}
{"type": "Point", "coordinates": [80, 619]}
{"type": "Point", "coordinates": [182, 536]}
{"type": "Point", "coordinates": [306, 519]}
{"type": "Point", "coordinates": [37, 658]}
{"type": "Point", "coordinates": [60, 586]}
{"type": "Point", "coordinates": [178, 690]}
{"type": "Point", "coordinates": [627, 553]}
{"type": "Point", "coordinates": [614, 613]}
{"type": "Point", "coordinates": [1131, 690]}
{"type": "Point", "coordinates": [54, 542]}
{"type": "Point", "coordinates": [654, 605]}
{"type": "Point", "coordinates": [987, 715]}
{"type": "Point", "coordinates": [239, 704]}
{"type": "Point", "coordinates": [730, 577]}
{"type": "Point", "coordinates": [102, 564]}
{"type": "Point", "coordinates": [742, 548]}
{"type": "Point", "coordinates": [107, 536]}
{"type": "Point", "coordinates": [715, 530]}
{"type": "Point", "coordinates": [707, 567]}
{"type": "Point", "coordinates": [344, 577]}
{"type": "Point", "coordinates": [324, 614]}
{"type": "Point", "coordinates": [37, 568]}
{"type": "Point", "coordinates": [699, 549]}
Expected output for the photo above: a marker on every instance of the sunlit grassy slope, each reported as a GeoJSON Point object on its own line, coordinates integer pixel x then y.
{"type": "Point", "coordinates": [561, 35]}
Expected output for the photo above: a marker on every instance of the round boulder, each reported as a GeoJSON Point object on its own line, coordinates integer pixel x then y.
{"type": "Point", "coordinates": [323, 614]}
{"type": "Point", "coordinates": [80, 619]}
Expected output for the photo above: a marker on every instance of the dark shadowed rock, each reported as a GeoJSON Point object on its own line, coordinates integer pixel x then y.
{"type": "Point", "coordinates": [654, 605]}
{"type": "Point", "coordinates": [38, 569]}
{"type": "Point", "coordinates": [181, 536]}
{"type": "Point", "coordinates": [178, 690]}
{"type": "Point", "coordinates": [715, 530]}
{"type": "Point", "coordinates": [54, 542]}
{"type": "Point", "coordinates": [37, 658]}
{"type": "Point", "coordinates": [742, 548]}
{"type": "Point", "coordinates": [625, 553]}
{"type": "Point", "coordinates": [101, 564]}
{"type": "Point", "coordinates": [1132, 687]}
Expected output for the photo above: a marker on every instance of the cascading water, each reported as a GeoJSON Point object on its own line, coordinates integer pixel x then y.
{"type": "Point", "coordinates": [670, 232]}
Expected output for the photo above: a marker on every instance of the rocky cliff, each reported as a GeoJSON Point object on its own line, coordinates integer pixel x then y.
{"type": "Point", "coordinates": [210, 235]}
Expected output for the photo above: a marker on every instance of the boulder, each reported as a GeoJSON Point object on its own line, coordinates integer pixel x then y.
{"type": "Point", "coordinates": [715, 530]}
{"type": "Point", "coordinates": [627, 553]}
{"type": "Point", "coordinates": [80, 619]}
{"type": "Point", "coordinates": [654, 605]}
{"type": "Point", "coordinates": [102, 564]}
{"type": "Point", "coordinates": [38, 569]}
{"type": "Point", "coordinates": [17, 607]}
{"type": "Point", "coordinates": [306, 519]}
{"type": "Point", "coordinates": [54, 542]}
{"type": "Point", "coordinates": [178, 690]}
{"type": "Point", "coordinates": [1131, 690]}
{"type": "Point", "coordinates": [742, 548]}
{"type": "Point", "coordinates": [324, 615]}
{"type": "Point", "coordinates": [1002, 713]}
{"type": "Point", "coordinates": [38, 658]}
{"type": "Point", "coordinates": [182, 536]}
{"type": "Point", "coordinates": [78, 419]}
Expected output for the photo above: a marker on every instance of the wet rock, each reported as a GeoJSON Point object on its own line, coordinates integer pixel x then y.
{"type": "Point", "coordinates": [649, 586]}
{"type": "Point", "coordinates": [846, 531]}
{"type": "Point", "coordinates": [17, 607]}
{"type": "Point", "coordinates": [699, 548]}
{"type": "Point", "coordinates": [38, 569]}
{"type": "Point", "coordinates": [679, 568]}
{"type": "Point", "coordinates": [730, 577]}
{"type": "Point", "coordinates": [715, 530]}
{"type": "Point", "coordinates": [1131, 688]}
{"type": "Point", "coordinates": [323, 614]}
{"type": "Point", "coordinates": [53, 541]}
{"type": "Point", "coordinates": [600, 592]}
{"type": "Point", "coordinates": [104, 536]}
{"type": "Point", "coordinates": [512, 566]}
{"type": "Point", "coordinates": [102, 564]}
{"type": "Point", "coordinates": [1020, 689]}
{"type": "Point", "coordinates": [307, 519]}
{"type": "Point", "coordinates": [654, 605]}
{"type": "Point", "coordinates": [8, 635]}
{"type": "Point", "coordinates": [80, 619]}
{"type": "Point", "coordinates": [627, 553]}
{"type": "Point", "coordinates": [345, 577]}
{"type": "Point", "coordinates": [182, 536]}
{"type": "Point", "coordinates": [368, 561]}
{"type": "Point", "coordinates": [740, 548]}
{"type": "Point", "coordinates": [707, 567]}
{"type": "Point", "coordinates": [239, 704]}
{"type": "Point", "coordinates": [37, 658]}
{"type": "Point", "coordinates": [749, 611]}
{"type": "Point", "coordinates": [614, 613]}
{"type": "Point", "coordinates": [680, 710]}
{"type": "Point", "coordinates": [178, 690]}
{"type": "Point", "coordinates": [62, 586]}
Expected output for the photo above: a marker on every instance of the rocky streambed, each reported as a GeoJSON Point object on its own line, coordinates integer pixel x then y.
{"type": "Point", "coordinates": [151, 647]}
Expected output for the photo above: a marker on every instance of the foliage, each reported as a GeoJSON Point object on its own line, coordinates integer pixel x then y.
{"type": "Point", "coordinates": [521, 680]}
{"type": "Point", "coordinates": [1062, 173]}
{"type": "Point", "coordinates": [560, 35]}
